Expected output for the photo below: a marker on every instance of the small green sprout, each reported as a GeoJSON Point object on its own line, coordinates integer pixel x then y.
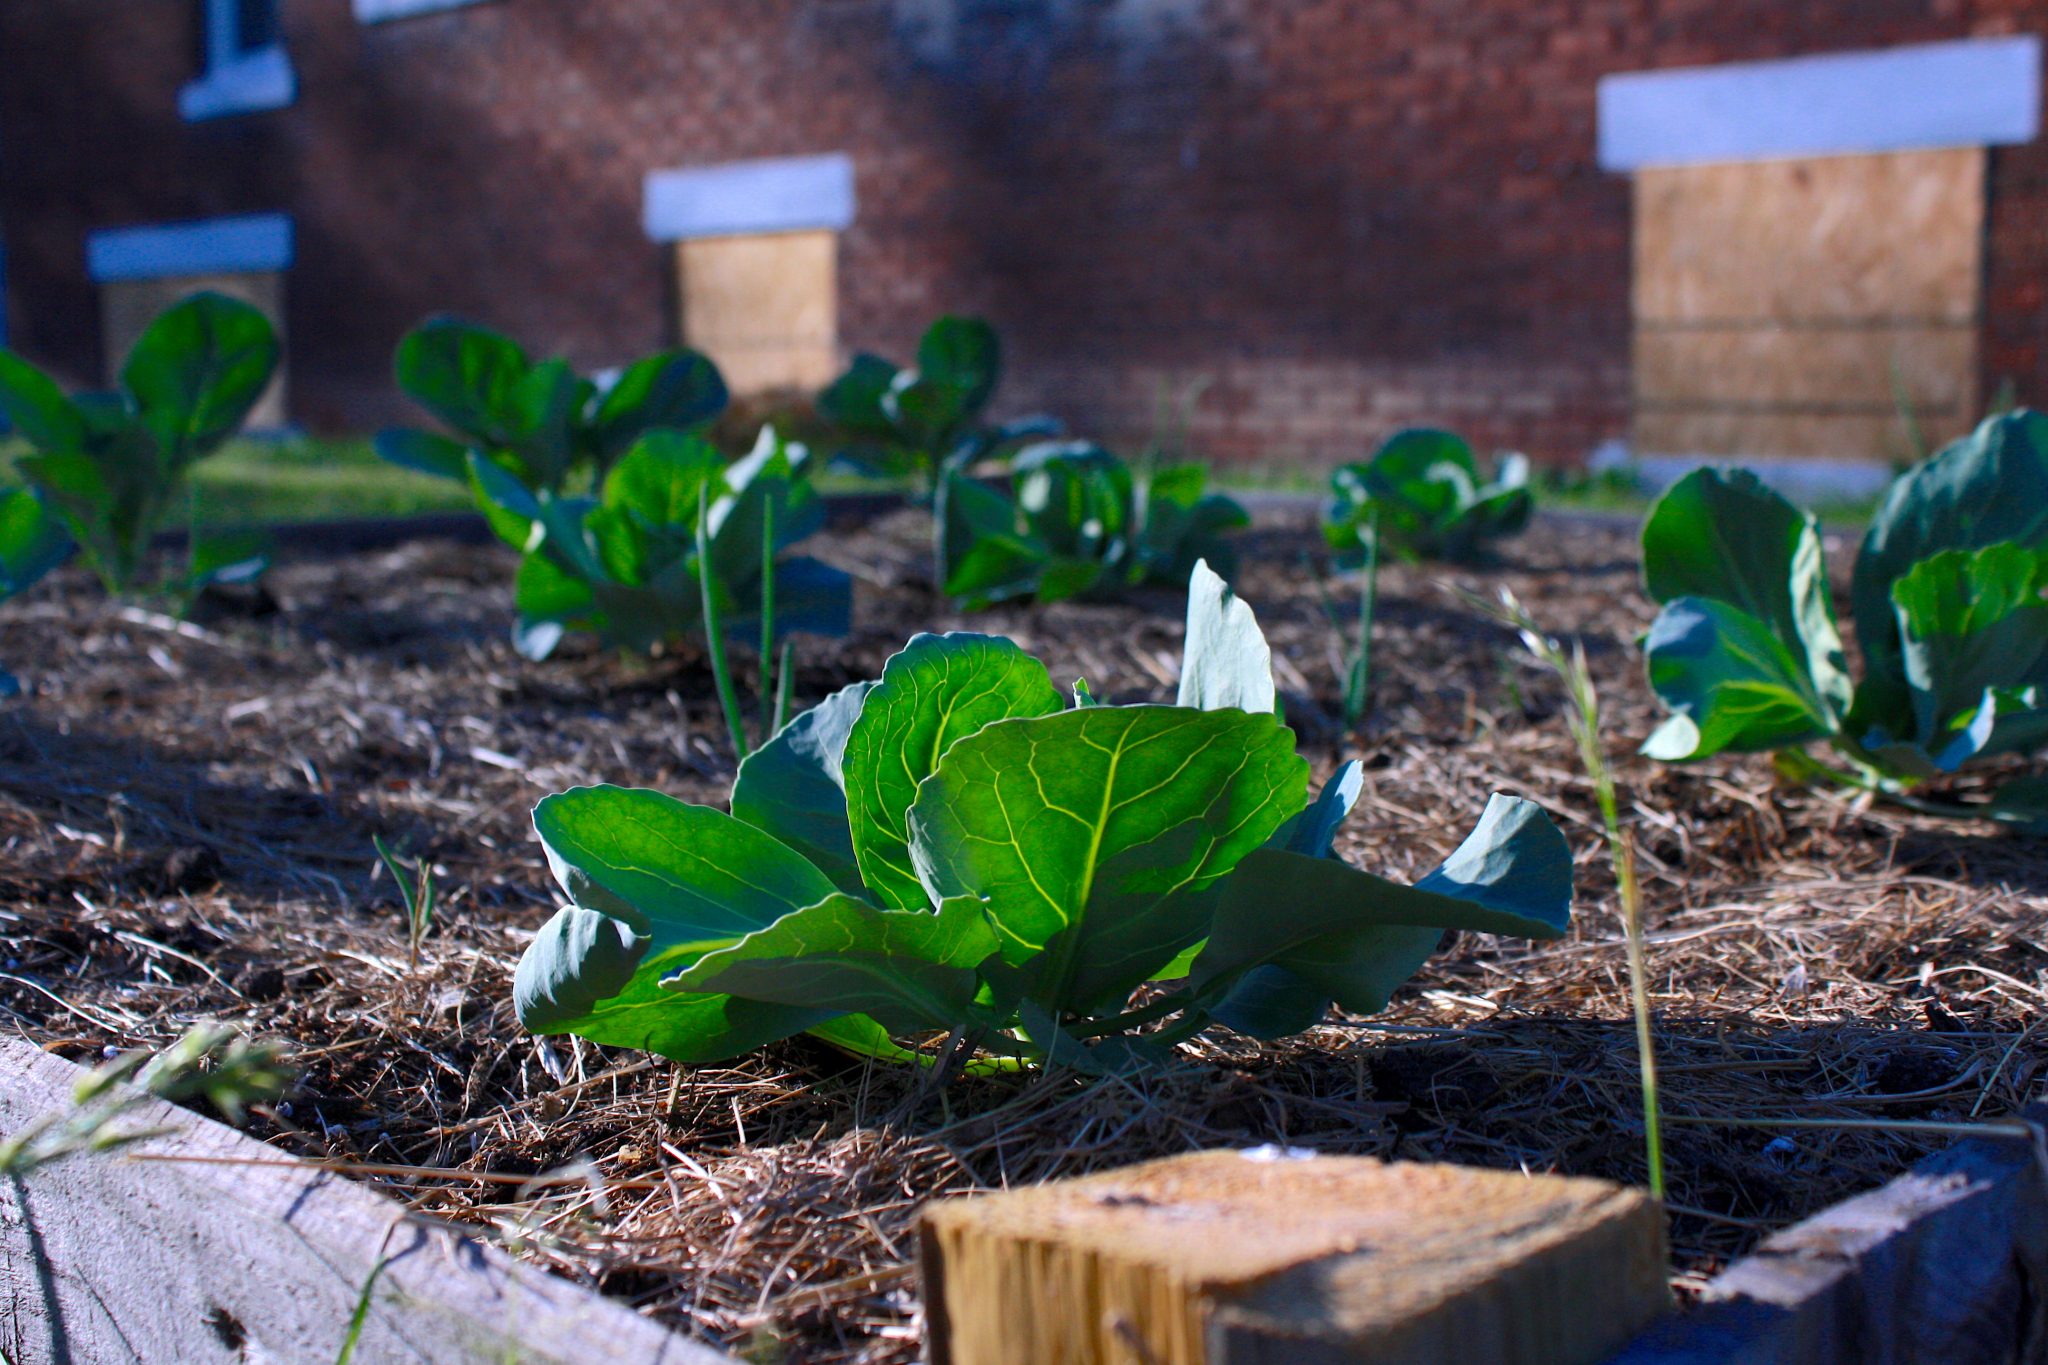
{"type": "Point", "coordinates": [416, 890]}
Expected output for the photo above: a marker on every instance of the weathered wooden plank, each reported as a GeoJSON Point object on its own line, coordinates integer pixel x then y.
{"type": "Point", "coordinates": [1220, 1258]}
{"type": "Point", "coordinates": [1946, 1265]}
{"type": "Point", "coordinates": [104, 1259]}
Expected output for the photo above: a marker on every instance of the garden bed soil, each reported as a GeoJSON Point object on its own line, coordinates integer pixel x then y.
{"type": "Point", "coordinates": [186, 812]}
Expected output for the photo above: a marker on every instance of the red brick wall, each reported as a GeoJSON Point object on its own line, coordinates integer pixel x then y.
{"type": "Point", "coordinates": [1344, 215]}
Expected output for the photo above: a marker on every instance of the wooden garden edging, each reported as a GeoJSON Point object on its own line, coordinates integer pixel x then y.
{"type": "Point", "coordinates": [105, 1259]}
{"type": "Point", "coordinates": [247, 1254]}
{"type": "Point", "coordinates": [1946, 1265]}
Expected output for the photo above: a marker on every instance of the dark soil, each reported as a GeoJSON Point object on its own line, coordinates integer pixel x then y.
{"type": "Point", "coordinates": [186, 813]}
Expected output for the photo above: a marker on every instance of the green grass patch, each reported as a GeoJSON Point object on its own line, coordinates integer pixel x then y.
{"type": "Point", "coordinates": [302, 478]}
{"type": "Point", "coordinates": [1556, 490]}
{"type": "Point", "coordinates": [313, 479]}
{"type": "Point", "coordinates": [310, 478]}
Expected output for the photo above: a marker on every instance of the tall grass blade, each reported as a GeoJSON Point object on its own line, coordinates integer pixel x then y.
{"type": "Point", "coordinates": [361, 1316]}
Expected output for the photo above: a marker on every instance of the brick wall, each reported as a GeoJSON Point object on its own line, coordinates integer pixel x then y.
{"type": "Point", "coordinates": [1344, 215]}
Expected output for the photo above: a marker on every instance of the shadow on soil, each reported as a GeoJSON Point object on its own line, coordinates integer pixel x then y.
{"type": "Point", "coordinates": [158, 824]}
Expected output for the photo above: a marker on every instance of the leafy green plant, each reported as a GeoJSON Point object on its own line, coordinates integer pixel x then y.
{"type": "Point", "coordinates": [951, 852]}
{"type": "Point", "coordinates": [925, 419]}
{"type": "Point", "coordinates": [33, 540]}
{"type": "Point", "coordinates": [538, 421]}
{"type": "Point", "coordinates": [627, 564]}
{"type": "Point", "coordinates": [1948, 599]}
{"type": "Point", "coordinates": [1423, 488]}
{"type": "Point", "coordinates": [112, 465]}
{"type": "Point", "coordinates": [1076, 523]}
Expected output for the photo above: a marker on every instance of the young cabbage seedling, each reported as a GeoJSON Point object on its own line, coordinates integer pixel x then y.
{"type": "Point", "coordinates": [952, 852]}
{"type": "Point", "coordinates": [1950, 599]}
{"type": "Point", "coordinates": [111, 466]}
{"type": "Point", "coordinates": [539, 422]}
{"type": "Point", "coordinates": [1422, 491]}
{"type": "Point", "coordinates": [33, 540]}
{"type": "Point", "coordinates": [923, 420]}
{"type": "Point", "coordinates": [1076, 523]}
{"type": "Point", "coordinates": [676, 542]}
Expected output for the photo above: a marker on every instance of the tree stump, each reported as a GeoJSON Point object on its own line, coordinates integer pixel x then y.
{"type": "Point", "coordinates": [1245, 1258]}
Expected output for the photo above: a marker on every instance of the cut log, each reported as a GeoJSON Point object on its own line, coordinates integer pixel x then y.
{"type": "Point", "coordinates": [1234, 1258]}
{"type": "Point", "coordinates": [104, 1259]}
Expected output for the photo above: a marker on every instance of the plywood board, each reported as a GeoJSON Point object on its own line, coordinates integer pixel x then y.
{"type": "Point", "coordinates": [1228, 1258]}
{"type": "Point", "coordinates": [764, 306]}
{"type": "Point", "coordinates": [127, 307]}
{"type": "Point", "coordinates": [1897, 235]}
{"type": "Point", "coordinates": [1845, 365]}
{"type": "Point", "coordinates": [1720, 433]}
{"type": "Point", "coordinates": [1780, 305]}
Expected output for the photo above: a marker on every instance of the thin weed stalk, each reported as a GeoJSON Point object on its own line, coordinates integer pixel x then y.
{"type": "Point", "coordinates": [785, 686]}
{"type": "Point", "coordinates": [714, 631]}
{"type": "Point", "coordinates": [1355, 657]}
{"type": "Point", "coordinates": [1358, 677]}
{"type": "Point", "coordinates": [769, 690]}
{"type": "Point", "coordinates": [1584, 719]}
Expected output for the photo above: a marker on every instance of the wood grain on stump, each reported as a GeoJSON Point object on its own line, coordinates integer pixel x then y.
{"type": "Point", "coordinates": [1225, 1258]}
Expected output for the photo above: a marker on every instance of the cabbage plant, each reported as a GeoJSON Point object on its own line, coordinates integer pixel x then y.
{"type": "Point", "coordinates": [676, 541]}
{"type": "Point", "coordinates": [1076, 523]}
{"type": "Point", "coordinates": [33, 540]}
{"type": "Point", "coordinates": [924, 419]}
{"type": "Point", "coordinates": [1948, 601]}
{"type": "Point", "coordinates": [539, 421]}
{"type": "Point", "coordinates": [111, 465]}
{"type": "Point", "coordinates": [955, 852]}
{"type": "Point", "coordinates": [1424, 491]}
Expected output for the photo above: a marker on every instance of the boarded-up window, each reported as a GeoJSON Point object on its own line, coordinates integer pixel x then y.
{"type": "Point", "coordinates": [764, 306]}
{"type": "Point", "coordinates": [1782, 306]}
{"type": "Point", "coordinates": [129, 306]}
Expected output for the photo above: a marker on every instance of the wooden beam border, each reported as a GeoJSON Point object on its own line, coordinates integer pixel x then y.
{"type": "Point", "coordinates": [104, 1259]}
{"type": "Point", "coordinates": [1946, 1265]}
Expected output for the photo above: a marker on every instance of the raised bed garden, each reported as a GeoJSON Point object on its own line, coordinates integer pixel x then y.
{"type": "Point", "coordinates": [187, 810]}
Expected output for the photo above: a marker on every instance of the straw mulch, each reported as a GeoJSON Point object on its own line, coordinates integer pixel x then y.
{"type": "Point", "coordinates": [186, 813]}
